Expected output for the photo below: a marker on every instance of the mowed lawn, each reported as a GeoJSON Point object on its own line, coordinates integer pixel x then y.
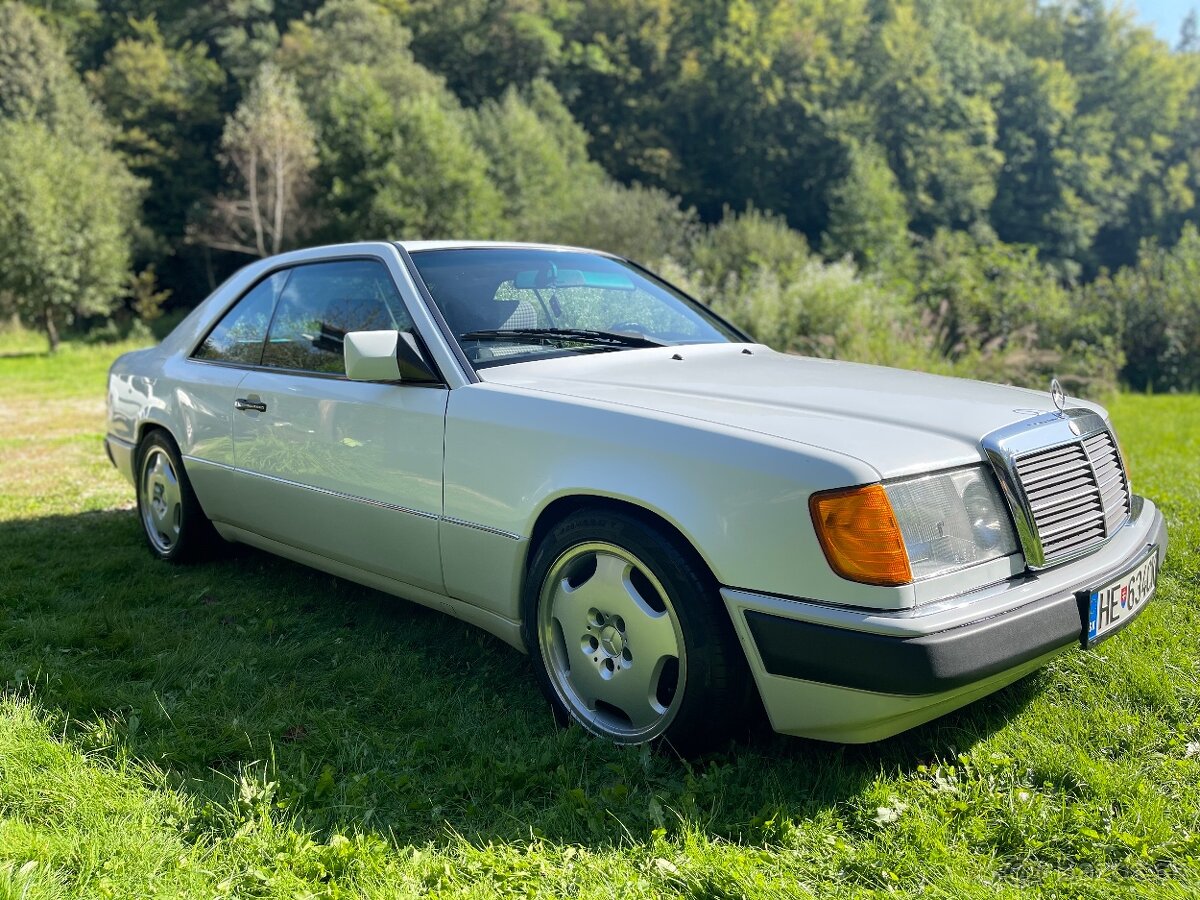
{"type": "Point", "coordinates": [248, 727]}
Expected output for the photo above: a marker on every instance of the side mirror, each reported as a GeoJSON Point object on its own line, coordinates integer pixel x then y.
{"type": "Point", "coordinates": [385, 356]}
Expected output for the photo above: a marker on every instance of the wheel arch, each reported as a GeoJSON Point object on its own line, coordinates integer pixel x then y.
{"type": "Point", "coordinates": [561, 507]}
{"type": "Point", "coordinates": [147, 427]}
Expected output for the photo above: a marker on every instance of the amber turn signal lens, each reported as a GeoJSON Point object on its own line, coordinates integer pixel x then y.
{"type": "Point", "coordinates": [860, 536]}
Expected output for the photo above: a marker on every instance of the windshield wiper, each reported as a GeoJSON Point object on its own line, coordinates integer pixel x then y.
{"type": "Point", "coordinates": [612, 338]}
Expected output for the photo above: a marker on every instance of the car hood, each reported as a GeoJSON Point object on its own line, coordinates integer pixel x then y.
{"type": "Point", "coordinates": [897, 421]}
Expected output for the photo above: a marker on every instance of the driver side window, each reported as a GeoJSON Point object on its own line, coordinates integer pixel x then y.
{"type": "Point", "coordinates": [324, 301]}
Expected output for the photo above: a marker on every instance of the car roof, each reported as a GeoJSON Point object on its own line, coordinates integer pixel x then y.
{"type": "Point", "coordinates": [418, 246]}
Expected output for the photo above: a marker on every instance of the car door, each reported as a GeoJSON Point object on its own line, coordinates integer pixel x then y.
{"type": "Point", "coordinates": [205, 386]}
{"type": "Point", "coordinates": [351, 471]}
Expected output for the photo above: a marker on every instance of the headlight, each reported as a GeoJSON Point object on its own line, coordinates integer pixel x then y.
{"type": "Point", "coordinates": [951, 520]}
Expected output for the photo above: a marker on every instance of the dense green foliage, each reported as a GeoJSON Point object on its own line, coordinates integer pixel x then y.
{"type": "Point", "coordinates": [248, 727]}
{"type": "Point", "coordinates": [67, 201]}
{"type": "Point", "coordinates": [929, 157]}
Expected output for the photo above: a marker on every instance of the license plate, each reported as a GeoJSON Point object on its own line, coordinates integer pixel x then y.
{"type": "Point", "coordinates": [1111, 606]}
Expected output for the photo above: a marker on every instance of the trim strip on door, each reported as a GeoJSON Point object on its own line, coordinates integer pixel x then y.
{"type": "Point", "coordinates": [449, 520]}
{"type": "Point", "coordinates": [367, 500]}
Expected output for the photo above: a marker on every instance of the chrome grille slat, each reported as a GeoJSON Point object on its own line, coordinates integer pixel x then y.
{"type": "Point", "coordinates": [1078, 542]}
{"type": "Point", "coordinates": [1041, 464]}
{"type": "Point", "coordinates": [1074, 513]}
{"type": "Point", "coordinates": [1051, 479]}
{"type": "Point", "coordinates": [1083, 519]}
{"type": "Point", "coordinates": [1065, 483]}
{"type": "Point", "coordinates": [1042, 457]}
{"type": "Point", "coordinates": [1055, 505]}
{"type": "Point", "coordinates": [1076, 493]}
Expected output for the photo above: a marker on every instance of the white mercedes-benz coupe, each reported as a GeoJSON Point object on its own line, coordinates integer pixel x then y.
{"type": "Point", "coordinates": [563, 449]}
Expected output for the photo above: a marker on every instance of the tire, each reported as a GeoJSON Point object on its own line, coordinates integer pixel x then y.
{"type": "Point", "coordinates": [173, 523]}
{"type": "Point", "coordinates": [629, 637]}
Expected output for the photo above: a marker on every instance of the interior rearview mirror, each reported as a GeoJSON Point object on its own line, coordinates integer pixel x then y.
{"type": "Point", "coordinates": [386, 356]}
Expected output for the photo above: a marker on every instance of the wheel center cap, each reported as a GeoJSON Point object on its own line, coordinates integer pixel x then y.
{"type": "Point", "coordinates": [611, 640]}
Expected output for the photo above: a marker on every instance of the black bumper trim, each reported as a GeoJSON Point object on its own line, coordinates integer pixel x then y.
{"type": "Point", "coordinates": [914, 666]}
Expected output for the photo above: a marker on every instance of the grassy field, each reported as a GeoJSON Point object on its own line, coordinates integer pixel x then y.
{"type": "Point", "coordinates": [248, 727]}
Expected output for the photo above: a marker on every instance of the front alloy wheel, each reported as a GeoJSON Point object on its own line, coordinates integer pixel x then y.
{"type": "Point", "coordinates": [611, 642]}
{"type": "Point", "coordinates": [629, 635]}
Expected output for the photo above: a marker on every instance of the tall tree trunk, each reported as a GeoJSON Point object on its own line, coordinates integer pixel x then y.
{"type": "Point", "coordinates": [255, 211]}
{"type": "Point", "coordinates": [50, 328]}
{"type": "Point", "coordinates": [280, 184]}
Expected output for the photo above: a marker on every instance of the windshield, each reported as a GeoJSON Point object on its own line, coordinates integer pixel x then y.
{"type": "Point", "coordinates": [508, 305]}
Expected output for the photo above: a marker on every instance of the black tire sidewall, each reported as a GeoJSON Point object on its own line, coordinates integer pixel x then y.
{"type": "Point", "coordinates": [716, 680]}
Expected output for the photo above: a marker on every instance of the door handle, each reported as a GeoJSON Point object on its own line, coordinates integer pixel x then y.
{"type": "Point", "coordinates": [244, 405]}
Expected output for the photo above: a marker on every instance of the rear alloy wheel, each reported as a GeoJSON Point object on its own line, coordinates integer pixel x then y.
{"type": "Point", "coordinates": [172, 520]}
{"type": "Point", "coordinates": [629, 635]}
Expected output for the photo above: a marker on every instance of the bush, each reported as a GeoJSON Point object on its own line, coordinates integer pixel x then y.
{"type": "Point", "coordinates": [745, 243]}
{"type": "Point", "coordinates": [997, 313]}
{"type": "Point", "coordinates": [645, 224]}
{"type": "Point", "coordinates": [1153, 309]}
{"type": "Point", "coordinates": [822, 309]}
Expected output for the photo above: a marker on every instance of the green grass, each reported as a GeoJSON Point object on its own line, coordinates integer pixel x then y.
{"type": "Point", "coordinates": [248, 727]}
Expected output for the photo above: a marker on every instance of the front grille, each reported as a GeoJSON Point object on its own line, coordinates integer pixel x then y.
{"type": "Point", "coordinates": [1077, 493]}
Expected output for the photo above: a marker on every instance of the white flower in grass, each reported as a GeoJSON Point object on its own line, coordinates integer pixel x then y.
{"type": "Point", "coordinates": [886, 815]}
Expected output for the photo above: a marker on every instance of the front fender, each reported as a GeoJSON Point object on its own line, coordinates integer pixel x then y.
{"type": "Point", "coordinates": [739, 497]}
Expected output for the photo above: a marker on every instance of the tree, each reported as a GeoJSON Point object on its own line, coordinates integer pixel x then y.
{"type": "Point", "coordinates": [37, 81]}
{"type": "Point", "coordinates": [931, 85]}
{"type": "Point", "coordinates": [867, 215]}
{"type": "Point", "coordinates": [487, 46]}
{"type": "Point", "coordinates": [399, 166]}
{"type": "Point", "coordinates": [63, 227]}
{"type": "Point", "coordinates": [165, 100]}
{"type": "Point", "coordinates": [269, 146]}
{"type": "Point", "coordinates": [355, 33]}
{"type": "Point", "coordinates": [1189, 33]}
{"type": "Point", "coordinates": [68, 205]}
{"type": "Point", "coordinates": [538, 159]}
{"type": "Point", "coordinates": [743, 244]}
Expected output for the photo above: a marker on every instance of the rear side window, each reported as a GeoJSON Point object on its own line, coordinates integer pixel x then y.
{"type": "Point", "coordinates": [321, 303]}
{"type": "Point", "coordinates": [239, 336]}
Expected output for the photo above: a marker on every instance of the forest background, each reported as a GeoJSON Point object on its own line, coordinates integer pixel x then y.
{"type": "Point", "coordinates": [1004, 189]}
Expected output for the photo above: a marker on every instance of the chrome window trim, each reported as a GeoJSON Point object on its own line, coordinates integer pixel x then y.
{"type": "Point", "coordinates": [290, 262]}
{"type": "Point", "coordinates": [1041, 432]}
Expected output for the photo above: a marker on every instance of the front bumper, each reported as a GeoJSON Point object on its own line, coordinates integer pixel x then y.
{"type": "Point", "coordinates": [857, 675]}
